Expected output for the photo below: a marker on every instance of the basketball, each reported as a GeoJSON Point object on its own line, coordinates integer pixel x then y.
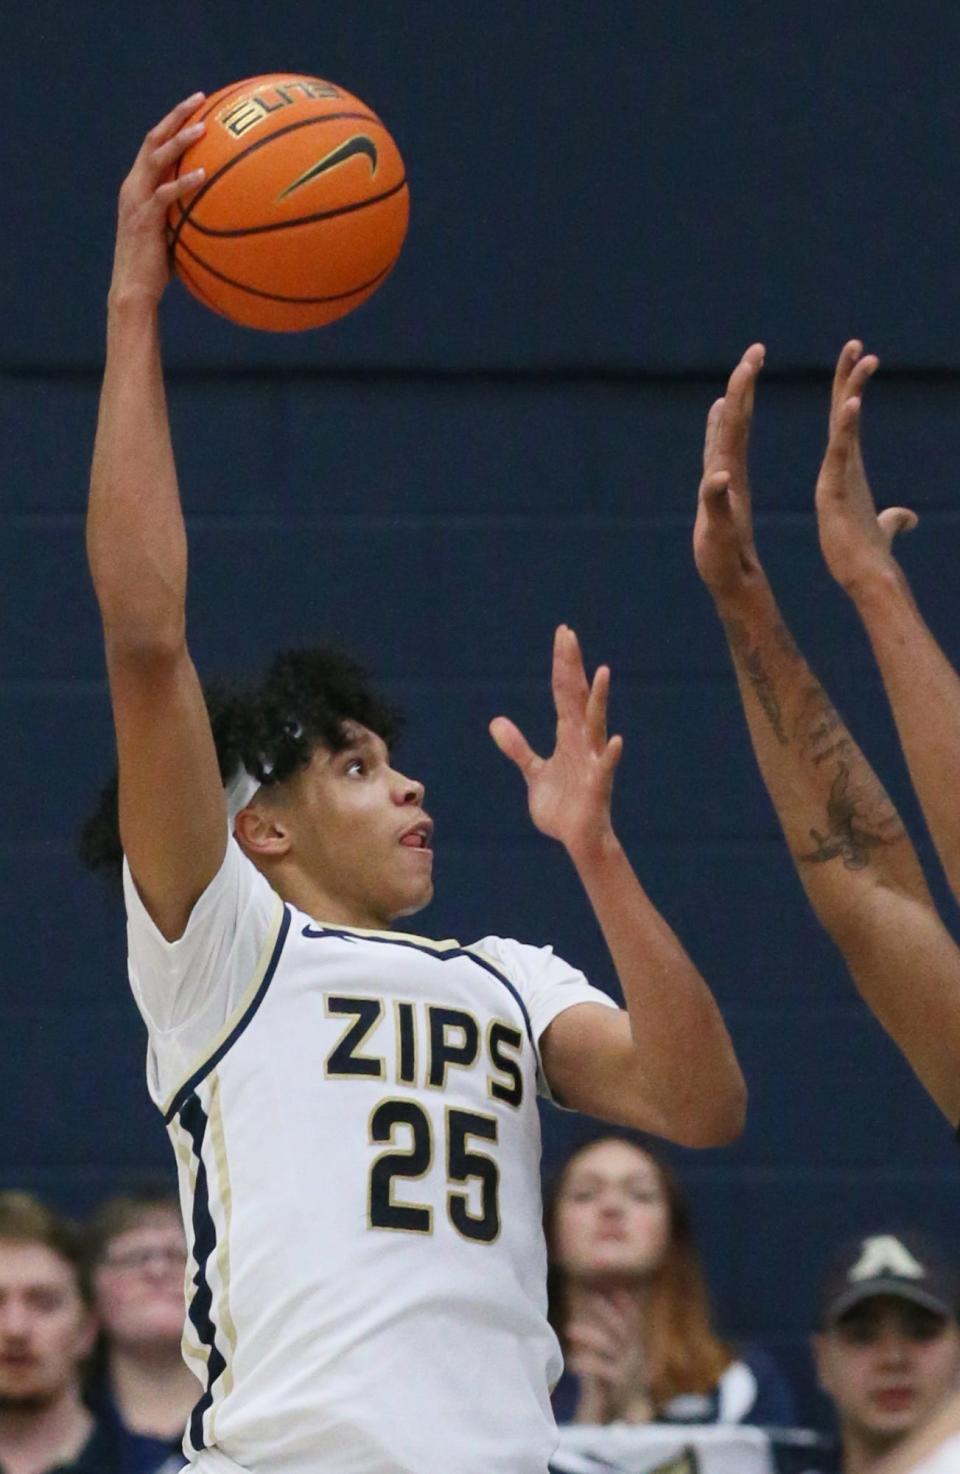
{"type": "Point", "coordinates": [303, 209]}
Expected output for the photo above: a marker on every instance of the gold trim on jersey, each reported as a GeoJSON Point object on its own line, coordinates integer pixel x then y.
{"type": "Point", "coordinates": [195, 1354]}
{"type": "Point", "coordinates": [473, 949]}
{"type": "Point", "coordinates": [221, 1314]}
{"type": "Point", "coordinates": [250, 992]}
{"type": "Point", "coordinates": [449, 944]}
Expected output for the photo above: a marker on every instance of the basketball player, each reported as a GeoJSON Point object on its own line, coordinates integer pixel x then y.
{"type": "Point", "coordinates": [353, 1109]}
{"type": "Point", "coordinates": [850, 848]}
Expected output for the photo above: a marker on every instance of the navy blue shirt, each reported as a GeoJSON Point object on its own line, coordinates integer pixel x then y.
{"type": "Point", "coordinates": [133, 1453]}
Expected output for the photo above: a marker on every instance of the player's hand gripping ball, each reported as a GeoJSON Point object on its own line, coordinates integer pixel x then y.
{"type": "Point", "coordinates": [303, 209]}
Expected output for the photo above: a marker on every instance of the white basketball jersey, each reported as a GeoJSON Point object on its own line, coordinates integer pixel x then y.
{"type": "Point", "coordinates": [946, 1460]}
{"type": "Point", "coordinates": [359, 1154]}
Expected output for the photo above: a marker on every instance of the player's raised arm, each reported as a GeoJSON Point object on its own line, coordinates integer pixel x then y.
{"type": "Point", "coordinates": [172, 815]}
{"type": "Point", "coordinates": [666, 1064]}
{"type": "Point", "coordinates": [923, 688]}
{"type": "Point", "coordinates": [852, 853]}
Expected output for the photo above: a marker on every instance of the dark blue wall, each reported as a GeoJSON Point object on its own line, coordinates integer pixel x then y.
{"type": "Point", "coordinates": [609, 201]}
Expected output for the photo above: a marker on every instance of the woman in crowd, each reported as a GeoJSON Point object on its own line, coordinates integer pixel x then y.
{"type": "Point", "coordinates": [137, 1256]}
{"type": "Point", "coordinates": [629, 1304]}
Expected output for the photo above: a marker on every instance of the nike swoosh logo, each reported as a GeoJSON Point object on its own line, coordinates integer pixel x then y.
{"type": "Point", "coordinates": [359, 144]}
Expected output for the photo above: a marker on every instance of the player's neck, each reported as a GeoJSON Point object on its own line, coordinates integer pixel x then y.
{"type": "Point", "coordinates": [861, 1449]}
{"type": "Point", "coordinates": [35, 1439]}
{"type": "Point", "coordinates": [153, 1388]}
{"type": "Point", "coordinates": [324, 905]}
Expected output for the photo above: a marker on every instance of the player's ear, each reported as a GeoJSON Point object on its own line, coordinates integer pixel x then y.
{"type": "Point", "coordinates": [262, 833]}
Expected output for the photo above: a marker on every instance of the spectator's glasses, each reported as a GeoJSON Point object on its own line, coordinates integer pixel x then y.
{"type": "Point", "coordinates": [141, 1256]}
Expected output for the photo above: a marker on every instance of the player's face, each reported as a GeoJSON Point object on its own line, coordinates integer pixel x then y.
{"type": "Point", "coordinates": [360, 829]}
{"type": "Point", "coordinates": [45, 1328]}
{"type": "Point", "coordinates": [612, 1216]}
{"type": "Point", "coordinates": [139, 1283]}
{"type": "Point", "coordinates": [887, 1365]}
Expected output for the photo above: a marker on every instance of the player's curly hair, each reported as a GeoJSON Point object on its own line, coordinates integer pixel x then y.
{"type": "Point", "coordinates": [272, 727]}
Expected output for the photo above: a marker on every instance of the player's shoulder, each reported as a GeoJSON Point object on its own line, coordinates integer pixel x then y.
{"type": "Point", "coordinates": [238, 896]}
{"type": "Point", "coordinates": [523, 959]}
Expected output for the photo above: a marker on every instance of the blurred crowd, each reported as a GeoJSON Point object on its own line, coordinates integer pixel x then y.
{"type": "Point", "coordinates": [91, 1374]}
{"type": "Point", "coordinates": [630, 1306]}
{"type": "Point", "coordinates": [91, 1320]}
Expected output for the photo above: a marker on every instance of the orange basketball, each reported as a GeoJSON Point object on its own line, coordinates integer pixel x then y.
{"type": "Point", "coordinates": [303, 209]}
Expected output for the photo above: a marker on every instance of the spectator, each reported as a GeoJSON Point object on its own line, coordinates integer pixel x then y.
{"type": "Point", "coordinates": [47, 1329]}
{"type": "Point", "coordinates": [143, 1389]}
{"type": "Point", "coordinates": [888, 1351]}
{"type": "Point", "coordinates": [629, 1303]}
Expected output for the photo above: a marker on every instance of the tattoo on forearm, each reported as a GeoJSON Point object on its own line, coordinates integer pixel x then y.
{"type": "Point", "coordinates": [818, 728]}
{"type": "Point", "coordinates": [860, 815]}
{"type": "Point", "coordinates": [765, 694]}
{"type": "Point", "coordinates": [786, 641]}
{"type": "Point", "coordinates": [760, 681]}
{"type": "Point", "coordinates": [856, 824]}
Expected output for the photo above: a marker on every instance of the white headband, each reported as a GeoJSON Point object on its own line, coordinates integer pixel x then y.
{"type": "Point", "coordinates": [238, 792]}
{"type": "Point", "coordinates": [242, 786]}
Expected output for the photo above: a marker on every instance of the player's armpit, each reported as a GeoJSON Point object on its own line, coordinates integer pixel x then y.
{"type": "Point", "coordinates": [172, 808]}
{"type": "Point", "coordinates": [592, 1065]}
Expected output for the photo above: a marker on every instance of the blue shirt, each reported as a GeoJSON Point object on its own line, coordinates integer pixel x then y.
{"type": "Point", "coordinates": [129, 1452]}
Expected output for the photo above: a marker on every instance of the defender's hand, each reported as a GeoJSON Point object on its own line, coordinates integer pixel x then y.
{"type": "Point", "coordinates": [140, 263]}
{"type": "Point", "coordinates": [569, 793]}
{"type": "Point", "coordinates": [855, 541]}
{"type": "Point", "coordinates": [723, 545]}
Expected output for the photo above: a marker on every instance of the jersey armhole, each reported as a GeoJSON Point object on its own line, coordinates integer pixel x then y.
{"type": "Point", "coordinates": [241, 1016]}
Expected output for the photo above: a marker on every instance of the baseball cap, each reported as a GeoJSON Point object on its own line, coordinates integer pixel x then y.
{"type": "Point", "coordinates": [906, 1265]}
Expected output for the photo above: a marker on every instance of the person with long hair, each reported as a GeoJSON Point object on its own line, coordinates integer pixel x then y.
{"type": "Point", "coordinates": [629, 1302]}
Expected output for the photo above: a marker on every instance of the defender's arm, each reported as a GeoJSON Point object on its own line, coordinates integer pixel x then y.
{"type": "Point", "coordinates": [852, 853]}
{"type": "Point", "coordinates": [923, 688]}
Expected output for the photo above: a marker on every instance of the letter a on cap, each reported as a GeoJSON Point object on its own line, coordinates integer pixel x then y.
{"type": "Point", "coordinates": [884, 1255]}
